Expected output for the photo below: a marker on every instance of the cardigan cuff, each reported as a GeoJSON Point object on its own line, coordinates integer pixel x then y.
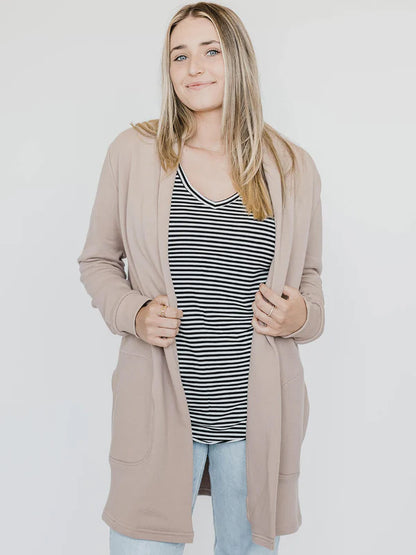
{"type": "Point", "coordinates": [129, 306]}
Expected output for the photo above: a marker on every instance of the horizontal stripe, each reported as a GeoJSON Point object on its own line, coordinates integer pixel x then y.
{"type": "Point", "coordinates": [218, 256]}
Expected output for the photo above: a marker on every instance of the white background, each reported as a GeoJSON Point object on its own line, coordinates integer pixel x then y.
{"type": "Point", "coordinates": [338, 78]}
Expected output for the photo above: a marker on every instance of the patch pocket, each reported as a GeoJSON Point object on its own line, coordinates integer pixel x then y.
{"type": "Point", "coordinates": [133, 409]}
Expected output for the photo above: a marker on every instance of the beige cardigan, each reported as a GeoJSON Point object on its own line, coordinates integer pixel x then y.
{"type": "Point", "coordinates": [151, 452]}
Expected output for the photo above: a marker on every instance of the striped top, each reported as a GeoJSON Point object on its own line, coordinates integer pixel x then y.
{"type": "Point", "coordinates": [218, 256]}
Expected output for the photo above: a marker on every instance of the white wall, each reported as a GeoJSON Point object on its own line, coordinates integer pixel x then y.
{"type": "Point", "coordinates": [338, 78]}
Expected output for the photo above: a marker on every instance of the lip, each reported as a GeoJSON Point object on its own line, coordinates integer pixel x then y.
{"type": "Point", "coordinates": [200, 85]}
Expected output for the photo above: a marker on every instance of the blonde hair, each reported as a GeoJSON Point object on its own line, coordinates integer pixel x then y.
{"type": "Point", "coordinates": [243, 129]}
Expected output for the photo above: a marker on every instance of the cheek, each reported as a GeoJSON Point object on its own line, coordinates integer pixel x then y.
{"type": "Point", "coordinates": [172, 76]}
{"type": "Point", "coordinates": [219, 69]}
{"type": "Point", "coordinates": [176, 76]}
{"type": "Point", "coordinates": [173, 72]}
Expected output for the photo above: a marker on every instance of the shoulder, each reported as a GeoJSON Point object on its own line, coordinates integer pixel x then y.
{"type": "Point", "coordinates": [306, 171]}
{"type": "Point", "coordinates": [304, 160]}
{"type": "Point", "coordinates": [130, 143]}
{"type": "Point", "coordinates": [306, 177]}
{"type": "Point", "coordinates": [308, 162]}
{"type": "Point", "coordinates": [130, 138]}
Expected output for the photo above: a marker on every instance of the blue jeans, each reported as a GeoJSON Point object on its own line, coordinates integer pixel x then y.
{"type": "Point", "coordinates": [227, 472]}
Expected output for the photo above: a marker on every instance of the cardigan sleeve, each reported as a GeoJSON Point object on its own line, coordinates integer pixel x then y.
{"type": "Point", "coordinates": [311, 282]}
{"type": "Point", "coordinates": [101, 266]}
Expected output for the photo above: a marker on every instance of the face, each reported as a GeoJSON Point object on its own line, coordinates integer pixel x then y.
{"type": "Point", "coordinates": [195, 62]}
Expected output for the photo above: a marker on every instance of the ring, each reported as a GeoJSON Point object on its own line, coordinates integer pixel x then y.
{"type": "Point", "coordinates": [271, 310]}
{"type": "Point", "coordinates": [163, 310]}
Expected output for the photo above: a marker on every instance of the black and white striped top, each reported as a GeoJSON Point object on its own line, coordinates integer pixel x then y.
{"type": "Point", "coordinates": [218, 256]}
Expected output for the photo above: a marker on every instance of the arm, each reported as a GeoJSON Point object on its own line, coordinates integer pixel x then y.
{"type": "Point", "coordinates": [101, 260]}
{"type": "Point", "coordinates": [311, 283]}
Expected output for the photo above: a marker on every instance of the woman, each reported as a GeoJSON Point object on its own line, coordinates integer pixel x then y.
{"type": "Point", "coordinates": [216, 212]}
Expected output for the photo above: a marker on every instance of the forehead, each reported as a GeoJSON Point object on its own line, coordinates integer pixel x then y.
{"type": "Point", "coordinates": [192, 31]}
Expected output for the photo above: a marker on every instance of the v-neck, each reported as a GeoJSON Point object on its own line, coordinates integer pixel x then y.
{"type": "Point", "coordinates": [201, 197]}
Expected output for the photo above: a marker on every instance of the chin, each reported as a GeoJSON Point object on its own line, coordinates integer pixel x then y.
{"type": "Point", "coordinates": [205, 104]}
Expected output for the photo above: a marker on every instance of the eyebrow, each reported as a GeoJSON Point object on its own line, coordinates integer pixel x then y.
{"type": "Point", "coordinates": [204, 43]}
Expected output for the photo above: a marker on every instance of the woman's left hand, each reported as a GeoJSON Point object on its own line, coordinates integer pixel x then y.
{"type": "Point", "coordinates": [288, 316]}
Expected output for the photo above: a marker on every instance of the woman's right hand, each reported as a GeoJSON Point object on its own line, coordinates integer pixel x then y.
{"type": "Point", "coordinates": [155, 329]}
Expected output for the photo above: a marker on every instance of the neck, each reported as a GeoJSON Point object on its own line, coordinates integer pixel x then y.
{"type": "Point", "coordinates": [208, 133]}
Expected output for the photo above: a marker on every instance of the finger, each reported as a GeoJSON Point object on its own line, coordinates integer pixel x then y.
{"type": "Point", "coordinates": [271, 296]}
{"type": "Point", "coordinates": [166, 312]}
{"type": "Point", "coordinates": [264, 308]}
{"type": "Point", "coordinates": [268, 293]}
{"type": "Point", "coordinates": [167, 323]}
{"type": "Point", "coordinates": [166, 332]}
{"type": "Point", "coordinates": [260, 328]}
{"type": "Point", "coordinates": [161, 342]}
{"type": "Point", "coordinates": [170, 311]}
{"type": "Point", "coordinates": [259, 311]}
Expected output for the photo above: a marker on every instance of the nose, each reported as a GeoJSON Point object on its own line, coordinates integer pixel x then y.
{"type": "Point", "coordinates": [195, 67]}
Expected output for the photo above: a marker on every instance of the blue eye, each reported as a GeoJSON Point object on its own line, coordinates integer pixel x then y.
{"type": "Point", "coordinates": [182, 55]}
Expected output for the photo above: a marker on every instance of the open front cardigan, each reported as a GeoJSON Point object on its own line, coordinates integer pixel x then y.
{"type": "Point", "coordinates": [151, 448]}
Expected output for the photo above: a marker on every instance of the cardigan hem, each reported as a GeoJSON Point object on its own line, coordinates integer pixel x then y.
{"type": "Point", "coordinates": [145, 533]}
{"type": "Point", "coordinates": [268, 542]}
{"type": "Point", "coordinates": [264, 541]}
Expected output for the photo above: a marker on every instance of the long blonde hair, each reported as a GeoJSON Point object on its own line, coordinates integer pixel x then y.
{"type": "Point", "coordinates": [243, 129]}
